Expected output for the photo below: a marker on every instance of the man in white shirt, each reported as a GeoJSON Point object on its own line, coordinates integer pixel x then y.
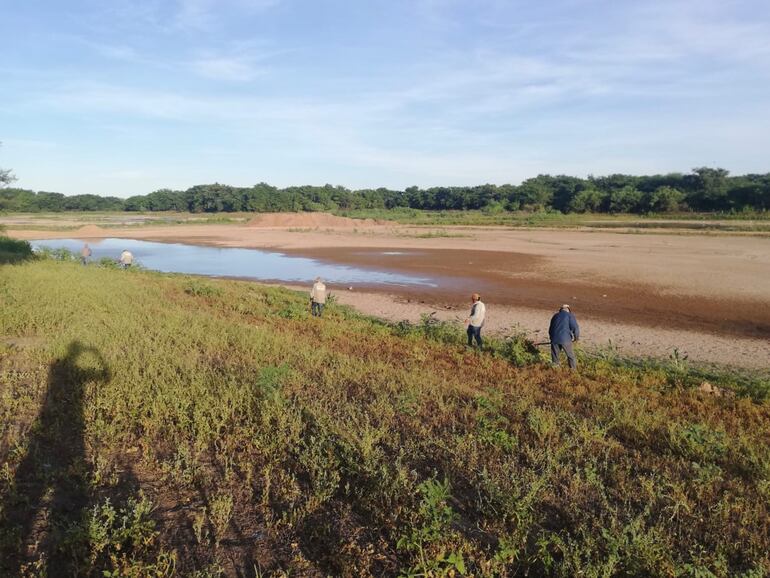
{"type": "Point", "coordinates": [126, 259]}
{"type": "Point", "coordinates": [476, 320]}
{"type": "Point", "coordinates": [317, 297]}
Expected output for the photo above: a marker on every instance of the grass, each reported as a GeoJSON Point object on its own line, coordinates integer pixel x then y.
{"type": "Point", "coordinates": [749, 222]}
{"type": "Point", "coordinates": [709, 222]}
{"type": "Point", "coordinates": [63, 221]}
{"type": "Point", "coordinates": [440, 234]}
{"type": "Point", "coordinates": [161, 425]}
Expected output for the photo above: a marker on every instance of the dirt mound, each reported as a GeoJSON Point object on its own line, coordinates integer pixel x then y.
{"type": "Point", "coordinates": [309, 220]}
{"type": "Point", "coordinates": [91, 231]}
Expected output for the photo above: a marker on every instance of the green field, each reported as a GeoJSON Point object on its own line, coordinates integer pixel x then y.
{"type": "Point", "coordinates": [757, 223]}
{"type": "Point", "coordinates": [751, 222]}
{"type": "Point", "coordinates": [159, 425]}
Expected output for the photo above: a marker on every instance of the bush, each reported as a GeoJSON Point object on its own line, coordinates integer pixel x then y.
{"type": "Point", "coordinates": [57, 254]}
{"type": "Point", "coordinates": [200, 289]}
{"type": "Point", "coordinates": [13, 250]}
{"type": "Point", "coordinates": [519, 350]}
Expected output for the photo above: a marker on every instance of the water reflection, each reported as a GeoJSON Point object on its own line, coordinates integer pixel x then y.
{"type": "Point", "coordinates": [232, 262]}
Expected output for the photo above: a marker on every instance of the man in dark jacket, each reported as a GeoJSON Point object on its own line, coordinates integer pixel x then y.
{"type": "Point", "coordinates": [563, 331]}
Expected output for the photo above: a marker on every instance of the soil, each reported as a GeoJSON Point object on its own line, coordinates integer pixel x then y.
{"type": "Point", "coordinates": [88, 231]}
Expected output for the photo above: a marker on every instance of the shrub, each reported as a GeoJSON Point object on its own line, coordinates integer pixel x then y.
{"type": "Point", "coordinates": [13, 250]}
{"type": "Point", "coordinates": [519, 350]}
{"type": "Point", "coordinates": [200, 289]}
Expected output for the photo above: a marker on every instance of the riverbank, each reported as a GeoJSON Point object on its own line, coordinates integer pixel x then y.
{"type": "Point", "coordinates": [647, 294]}
{"type": "Point", "coordinates": [598, 335]}
{"type": "Point", "coordinates": [192, 424]}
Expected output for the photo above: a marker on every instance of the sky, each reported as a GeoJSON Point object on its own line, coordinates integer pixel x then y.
{"type": "Point", "coordinates": [125, 97]}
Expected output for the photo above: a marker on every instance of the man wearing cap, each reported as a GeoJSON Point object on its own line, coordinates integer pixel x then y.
{"type": "Point", "coordinates": [476, 320]}
{"type": "Point", "coordinates": [317, 297]}
{"type": "Point", "coordinates": [563, 331]}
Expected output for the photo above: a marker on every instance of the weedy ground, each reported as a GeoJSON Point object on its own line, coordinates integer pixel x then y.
{"type": "Point", "coordinates": [156, 425]}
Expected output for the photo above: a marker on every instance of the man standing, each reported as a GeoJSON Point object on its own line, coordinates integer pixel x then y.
{"type": "Point", "coordinates": [563, 331]}
{"type": "Point", "coordinates": [317, 297]}
{"type": "Point", "coordinates": [126, 259]}
{"type": "Point", "coordinates": [476, 320]}
{"type": "Point", "coordinates": [85, 254]}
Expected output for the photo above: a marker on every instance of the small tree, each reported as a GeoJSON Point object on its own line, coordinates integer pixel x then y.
{"type": "Point", "coordinates": [6, 177]}
{"type": "Point", "coordinates": [625, 200]}
{"type": "Point", "coordinates": [666, 200]}
{"type": "Point", "coordinates": [588, 200]}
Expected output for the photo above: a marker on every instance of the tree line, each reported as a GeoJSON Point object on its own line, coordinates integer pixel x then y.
{"type": "Point", "coordinates": [703, 190]}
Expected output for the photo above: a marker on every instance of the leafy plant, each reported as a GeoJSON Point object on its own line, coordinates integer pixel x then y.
{"type": "Point", "coordinates": [198, 288]}
{"type": "Point", "coordinates": [436, 516]}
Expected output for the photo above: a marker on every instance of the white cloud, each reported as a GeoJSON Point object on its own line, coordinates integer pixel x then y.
{"type": "Point", "coordinates": [200, 14]}
{"type": "Point", "coordinates": [238, 62]}
{"type": "Point", "coordinates": [233, 68]}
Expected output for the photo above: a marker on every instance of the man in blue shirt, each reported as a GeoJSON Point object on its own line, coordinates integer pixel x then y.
{"type": "Point", "coordinates": [563, 331]}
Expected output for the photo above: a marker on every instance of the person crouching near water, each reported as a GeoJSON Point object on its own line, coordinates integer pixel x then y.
{"type": "Point", "coordinates": [85, 254]}
{"type": "Point", "coordinates": [476, 320]}
{"type": "Point", "coordinates": [563, 331]}
{"type": "Point", "coordinates": [126, 259]}
{"type": "Point", "coordinates": [317, 297]}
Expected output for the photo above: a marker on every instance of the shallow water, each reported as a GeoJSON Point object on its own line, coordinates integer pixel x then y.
{"type": "Point", "coordinates": [233, 262]}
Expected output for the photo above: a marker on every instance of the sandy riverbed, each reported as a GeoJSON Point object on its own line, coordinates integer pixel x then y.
{"type": "Point", "coordinates": [708, 296]}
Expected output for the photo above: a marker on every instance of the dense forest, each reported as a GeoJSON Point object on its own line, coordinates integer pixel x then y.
{"type": "Point", "coordinates": [702, 190]}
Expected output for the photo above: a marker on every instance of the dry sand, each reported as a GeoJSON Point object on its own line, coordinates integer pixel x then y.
{"type": "Point", "coordinates": [625, 338]}
{"type": "Point", "coordinates": [308, 220]}
{"type": "Point", "coordinates": [90, 231]}
{"type": "Point", "coordinates": [647, 293]}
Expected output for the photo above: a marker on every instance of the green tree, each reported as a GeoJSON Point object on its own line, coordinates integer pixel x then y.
{"type": "Point", "coordinates": [712, 189]}
{"type": "Point", "coordinates": [589, 200]}
{"type": "Point", "coordinates": [665, 200]}
{"type": "Point", "coordinates": [535, 193]}
{"type": "Point", "coordinates": [565, 188]}
{"type": "Point", "coordinates": [6, 176]}
{"type": "Point", "coordinates": [625, 200]}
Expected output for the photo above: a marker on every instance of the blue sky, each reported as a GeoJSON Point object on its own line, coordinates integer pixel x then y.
{"type": "Point", "coordinates": [128, 96]}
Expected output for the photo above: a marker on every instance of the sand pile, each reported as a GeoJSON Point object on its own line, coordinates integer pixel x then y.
{"type": "Point", "coordinates": [309, 220]}
{"type": "Point", "coordinates": [91, 231]}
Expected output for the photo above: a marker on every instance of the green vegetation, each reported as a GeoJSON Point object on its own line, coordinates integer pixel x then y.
{"type": "Point", "coordinates": [439, 234]}
{"type": "Point", "coordinates": [701, 222]}
{"type": "Point", "coordinates": [13, 251]}
{"type": "Point", "coordinates": [6, 177]}
{"type": "Point", "coordinates": [160, 425]}
{"type": "Point", "coordinates": [704, 190]}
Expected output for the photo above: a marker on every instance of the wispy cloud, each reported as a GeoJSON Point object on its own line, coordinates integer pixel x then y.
{"type": "Point", "coordinates": [227, 68]}
{"type": "Point", "coordinates": [200, 14]}
{"type": "Point", "coordinates": [238, 62]}
{"type": "Point", "coordinates": [403, 91]}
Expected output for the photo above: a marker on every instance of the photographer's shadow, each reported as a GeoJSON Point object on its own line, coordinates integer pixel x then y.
{"type": "Point", "coordinates": [51, 484]}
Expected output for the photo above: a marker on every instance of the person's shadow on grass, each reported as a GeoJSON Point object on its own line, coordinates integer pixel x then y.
{"type": "Point", "coordinates": [51, 485]}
